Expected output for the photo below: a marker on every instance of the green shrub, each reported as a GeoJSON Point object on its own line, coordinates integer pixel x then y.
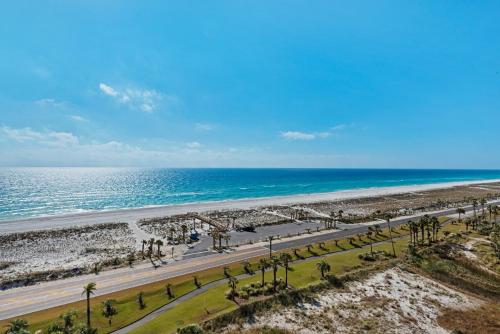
{"type": "Point", "coordinates": [190, 329]}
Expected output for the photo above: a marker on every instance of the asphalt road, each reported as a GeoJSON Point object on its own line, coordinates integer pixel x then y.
{"type": "Point", "coordinates": [19, 301]}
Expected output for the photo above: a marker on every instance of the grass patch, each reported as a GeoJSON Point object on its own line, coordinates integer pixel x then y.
{"type": "Point", "coordinates": [126, 304]}
{"type": "Point", "coordinates": [213, 302]}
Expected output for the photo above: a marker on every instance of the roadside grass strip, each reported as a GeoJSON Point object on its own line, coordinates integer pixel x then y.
{"type": "Point", "coordinates": [341, 254]}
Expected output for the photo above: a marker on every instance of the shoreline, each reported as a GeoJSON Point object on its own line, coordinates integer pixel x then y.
{"type": "Point", "coordinates": [128, 215]}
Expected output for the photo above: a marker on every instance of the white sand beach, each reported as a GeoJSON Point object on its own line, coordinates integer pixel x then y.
{"type": "Point", "coordinates": [133, 215]}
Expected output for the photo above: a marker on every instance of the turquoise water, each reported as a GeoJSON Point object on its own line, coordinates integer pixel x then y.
{"type": "Point", "coordinates": [31, 192]}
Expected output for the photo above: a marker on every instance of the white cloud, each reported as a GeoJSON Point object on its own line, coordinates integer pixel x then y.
{"type": "Point", "coordinates": [339, 127]}
{"type": "Point", "coordinates": [78, 118]}
{"type": "Point", "coordinates": [108, 90]}
{"type": "Point", "coordinates": [145, 100]}
{"type": "Point", "coordinates": [20, 135]}
{"type": "Point", "coordinates": [61, 139]}
{"type": "Point", "coordinates": [323, 134]}
{"type": "Point", "coordinates": [48, 102]}
{"type": "Point", "coordinates": [297, 135]}
{"type": "Point", "coordinates": [28, 147]}
{"type": "Point", "coordinates": [51, 138]}
{"type": "Point", "coordinates": [204, 126]}
{"type": "Point", "coordinates": [193, 145]}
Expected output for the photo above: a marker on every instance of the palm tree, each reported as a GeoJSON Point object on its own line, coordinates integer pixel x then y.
{"type": "Point", "coordinates": [422, 223]}
{"type": "Point", "coordinates": [351, 240]}
{"type": "Point", "coordinates": [490, 210]}
{"type": "Point", "coordinates": [410, 229]}
{"type": "Point", "coordinates": [275, 263]}
{"type": "Point", "coordinates": [68, 319]}
{"type": "Point", "coordinates": [428, 229]}
{"type": "Point", "coordinates": [247, 267]}
{"type": "Point", "coordinates": [341, 212]}
{"type": "Point", "coordinates": [483, 202]}
{"type": "Point", "coordinates": [332, 216]}
{"type": "Point", "coordinates": [227, 237]}
{"type": "Point", "coordinates": [435, 227]}
{"type": "Point", "coordinates": [131, 259]}
{"type": "Point", "coordinates": [323, 267]}
{"type": "Point", "coordinates": [140, 300]}
{"type": "Point", "coordinates": [226, 271]}
{"type": "Point", "coordinates": [159, 243]}
{"type": "Point", "coordinates": [17, 326]}
{"type": "Point", "coordinates": [150, 247]}
{"type": "Point", "coordinates": [286, 259]}
{"type": "Point", "coordinates": [263, 265]}
{"type": "Point", "coordinates": [370, 241]}
{"type": "Point", "coordinates": [416, 226]}
{"type": "Point", "coordinates": [172, 231]}
{"type": "Point", "coordinates": [474, 206]}
{"type": "Point", "coordinates": [184, 229]}
{"type": "Point", "coordinates": [388, 219]}
{"type": "Point", "coordinates": [87, 291]}
{"type": "Point", "coordinates": [108, 310]}
{"type": "Point", "coordinates": [144, 243]}
{"type": "Point", "coordinates": [460, 211]}
{"type": "Point", "coordinates": [270, 238]}
{"type": "Point", "coordinates": [168, 290]}
{"type": "Point", "coordinates": [214, 234]}
{"type": "Point", "coordinates": [196, 281]}
{"type": "Point", "coordinates": [232, 281]}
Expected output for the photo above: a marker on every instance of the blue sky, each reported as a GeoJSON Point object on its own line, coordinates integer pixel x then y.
{"type": "Point", "coordinates": [255, 84]}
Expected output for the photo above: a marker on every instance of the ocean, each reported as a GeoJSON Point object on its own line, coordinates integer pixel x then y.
{"type": "Point", "coordinates": [33, 192]}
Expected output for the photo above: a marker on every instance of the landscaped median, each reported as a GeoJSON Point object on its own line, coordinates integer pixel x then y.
{"type": "Point", "coordinates": [213, 302]}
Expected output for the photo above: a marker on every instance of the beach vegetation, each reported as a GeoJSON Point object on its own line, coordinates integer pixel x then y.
{"type": "Point", "coordinates": [168, 291]}
{"type": "Point", "coordinates": [17, 326]}
{"type": "Point", "coordinates": [109, 310]}
{"type": "Point", "coordinates": [324, 267]}
{"type": "Point", "coordinates": [155, 292]}
{"type": "Point", "coordinates": [88, 290]}
{"type": "Point", "coordinates": [140, 300]}
{"type": "Point", "coordinates": [190, 329]}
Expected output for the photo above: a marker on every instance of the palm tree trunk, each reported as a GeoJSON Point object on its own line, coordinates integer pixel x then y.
{"type": "Point", "coordinates": [274, 280]}
{"type": "Point", "coordinates": [88, 310]}
{"type": "Point", "coordinates": [392, 241]}
{"type": "Point", "coordinates": [286, 276]}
